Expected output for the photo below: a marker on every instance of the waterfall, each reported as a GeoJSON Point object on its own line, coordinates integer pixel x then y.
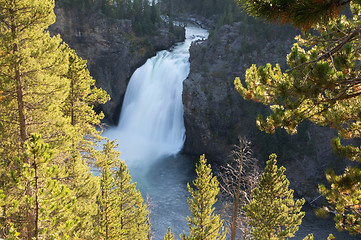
{"type": "Point", "coordinates": [151, 121]}
{"type": "Point", "coordinates": [151, 132]}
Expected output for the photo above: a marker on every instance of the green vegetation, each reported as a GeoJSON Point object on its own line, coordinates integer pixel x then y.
{"type": "Point", "coordinates": [169, 235]}
{"type": "Point", "coordinates": [205, 8]}
{"type": "Point", "coordinates": [144, 16]}
{"type": "Point", "coordinates": [204, 224]}
{"type": "Point", "coordinates": [49, 139]}
{"type": "Point", "coordinates": [322, 85]}
{"type": "Point", "coordinates": [122, 213]}
{"type": "Point", "coordinates": [47, 189]}
{"type": "Point", "coordinates": [272, 211]}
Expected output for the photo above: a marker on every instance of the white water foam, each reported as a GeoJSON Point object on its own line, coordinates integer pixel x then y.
{"type": "Point", "coordinates": [151, 123]}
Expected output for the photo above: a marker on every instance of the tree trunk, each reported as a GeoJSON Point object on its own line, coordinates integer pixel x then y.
{"type": "Point", "coordinates": [236, 203]}
{"type": "Point", "coordinates": [37, 204]}
{"type": "Point", "coordinates": [21, 121]}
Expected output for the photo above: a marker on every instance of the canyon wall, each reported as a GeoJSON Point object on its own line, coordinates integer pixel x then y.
{"type": "Point", "coordinates": [112, 50]}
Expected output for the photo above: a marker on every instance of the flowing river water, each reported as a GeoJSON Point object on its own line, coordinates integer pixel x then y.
{"type": "Point", "coordinates": [151, 132]}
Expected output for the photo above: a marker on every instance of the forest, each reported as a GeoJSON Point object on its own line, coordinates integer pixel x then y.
{"type": "Point", "coordinates": [51, 142]}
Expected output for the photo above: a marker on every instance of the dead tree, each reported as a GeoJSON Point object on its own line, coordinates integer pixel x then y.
{"type": "Point", "coordinates": [238, 178]}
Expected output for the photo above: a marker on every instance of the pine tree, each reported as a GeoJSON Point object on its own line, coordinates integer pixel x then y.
{"type": "Point", "coordinates": [105, 219]}
{"type": "Point", "coordinates": [85, 188]}
{"type": "Point", "coordinates": [40, 209]}
{"type": "Point", "coordinates": [133, 213]}
{"type": "Point", "coordinates": [303, 14]}
{"type": "Point", "coordinates": [273, 212]}
{"type": "Point", "coordinates": [79, 108]}
{"type": "Point", "coordinates": [122, 213]}
{"type": "Point", "coordinates": [31, 69]}
{"type": "Point", "coordinates": [169, 235]}
{"type": "Point", "coordinates": [345, 195]}
{"type": "Point", "coordinates": [204, 224]}
{"type": "Point", "coordinates": [47, 89]}
{"type": "Point", "coordinates": [79, 105]}
{"type": "Point", "coordinates": [321, 85]}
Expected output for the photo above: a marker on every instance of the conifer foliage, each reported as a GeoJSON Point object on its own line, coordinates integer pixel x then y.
{"type": "Point", "coordinates": [31, 68]}
{"type": "Point", "coordinates": [47, 190]}
{"type": "Point", "coordinates": [321, 84]}
{"type": "Point", "coordinates": [169, 235]}
{"type": "Point", "coordinates": [42, 203]}
{"type": "Point", "coordinates": [204, 223]}
{"type": "Point", "coordinates": [302, 14]}
{"type": "Point", "coordinates": [273, 212]}
{"type": "Point", "coordinates": [122, 213]}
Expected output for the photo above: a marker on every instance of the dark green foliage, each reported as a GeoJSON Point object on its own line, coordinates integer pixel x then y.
{"type": "Point", "coordinates": [205, 8]}
{"type": "Point", "coordinates": [302, 14]}
{"type": "Point", "coordinates": [144, 16]}
{"type": "Point", "coordinates": [322, 85]}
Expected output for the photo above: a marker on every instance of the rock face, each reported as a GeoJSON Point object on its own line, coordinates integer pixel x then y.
{"type": "Point", "coordinates": [216, 115]}
{"type": "Point", "coordinates": [112, 50]}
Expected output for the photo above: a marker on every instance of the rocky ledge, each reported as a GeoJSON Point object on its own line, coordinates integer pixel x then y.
{"type": "Point", "coordinates": [112, 50]}
{"type": "Point", "coordinates": [216, 116]}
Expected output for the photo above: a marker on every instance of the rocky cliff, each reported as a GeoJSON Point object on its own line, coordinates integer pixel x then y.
{"type": "Point", "coordinates": [112, 50]}
{"type": "Point", "coordinates": [216, 115]}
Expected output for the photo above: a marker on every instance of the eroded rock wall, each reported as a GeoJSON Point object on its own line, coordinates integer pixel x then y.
{"type": "Point", "coordinates": [112, 50]}
{"type": "Point", "coordinates": [216, 115]}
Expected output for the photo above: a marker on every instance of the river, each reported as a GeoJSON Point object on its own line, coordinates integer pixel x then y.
{"type": "Point", "coordinates": [151, 132]}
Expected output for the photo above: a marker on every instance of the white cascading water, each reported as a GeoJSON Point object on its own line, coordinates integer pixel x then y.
{"type": "Point", "coordinates": [151, 128]}
{"type": "Point", "coordinates": [151, 132]}
{"type": "Point", "coordinates": [151, 122]}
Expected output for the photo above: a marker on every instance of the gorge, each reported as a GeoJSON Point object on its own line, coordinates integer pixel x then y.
{"type": "Point", "coordinates": [215, 115]}
{"type": "Point", "coordinates": [151, 132]}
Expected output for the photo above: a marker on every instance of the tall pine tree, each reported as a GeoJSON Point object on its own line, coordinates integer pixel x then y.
{"type": "Point", "coordinates": [272, 211]}
{"type": "Point", "coordinates": [46, 89]}
{"type": "Point", "coordinates": [31, 67]}
{"type": "Point", "coordinates": [204, 223]}
{"type": "Point", "coordinates": [31, 70]}
{"type": "Point", "coordinates": [42, 205]}
{"type": "Point", "coordinates": [321, 84]}
{"type": "Point", "coordinates": [122, 213]}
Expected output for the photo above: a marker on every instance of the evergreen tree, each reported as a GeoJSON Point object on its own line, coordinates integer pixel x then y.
{"type": "Point", "coordinates": [155, 15]}
{"type": "Point", "coordinates": [303, 14]}
{"type": "Point", "coordinates": [344, 193]}
{"type": "Point", "coordinates": [85, 188]}
{"type": "Point", "coordinates": [169, 235]}
{"type": "Point", "coordinates": [133, 213]}
{"type": "Point", "coordinates": [42, 206]}
{"type": "Point", "coordinates": [31, 68]}
{"type": "Point", "coordinates": [79, 107]}
{"type": "Point", "coordinates": [106, 224]}
{"type": "Point", "coordinates": [45, 93]}
{"type": "Point", "coordinates": [273, 212]}
{"type": "Point", "coordinates": [122, 213]}
{"type": "Point", "coordinates": [204, 224]}
{"type": "Point", "coordinates": [322, 85]}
